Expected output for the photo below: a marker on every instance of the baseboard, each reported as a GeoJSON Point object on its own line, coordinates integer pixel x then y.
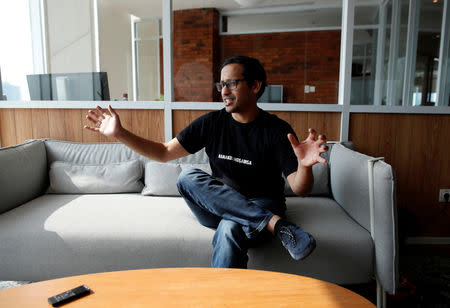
{"type": "Point", "coordinates": [427, 240]}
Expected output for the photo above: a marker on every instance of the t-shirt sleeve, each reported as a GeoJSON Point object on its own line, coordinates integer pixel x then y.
{"type": "Point", "coordinates": [195, 136]}
{"type": "Point", "coordinates": [286, 156]}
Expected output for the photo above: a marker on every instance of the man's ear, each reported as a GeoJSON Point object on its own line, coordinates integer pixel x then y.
{"type": "Point", "coordinates": [256, 86]}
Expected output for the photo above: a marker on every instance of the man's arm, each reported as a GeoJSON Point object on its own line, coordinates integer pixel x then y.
{"type": "Point", "coordinates": [308, 154]}
{"type": "Point", "coordinates": [108, 124]}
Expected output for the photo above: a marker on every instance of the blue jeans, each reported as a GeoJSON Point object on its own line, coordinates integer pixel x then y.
{"type": "Point", "coordinates": [240, 222]}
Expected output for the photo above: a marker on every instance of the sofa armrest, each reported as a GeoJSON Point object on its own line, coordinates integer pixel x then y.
{"type": "Point", "coordinates": [23, 174]}
{"type": "Point", "coordinates": [349, 177]}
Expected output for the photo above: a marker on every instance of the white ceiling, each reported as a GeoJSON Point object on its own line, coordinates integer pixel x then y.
{"type": "Point", "coordinates": [153, 8]}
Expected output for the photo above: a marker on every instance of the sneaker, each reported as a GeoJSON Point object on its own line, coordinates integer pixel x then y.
{"type": "Point", "coordinates": [299, 243]}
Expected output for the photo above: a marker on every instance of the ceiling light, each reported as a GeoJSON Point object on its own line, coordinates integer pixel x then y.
{"type": "Point", "coordinates": [248, 3]}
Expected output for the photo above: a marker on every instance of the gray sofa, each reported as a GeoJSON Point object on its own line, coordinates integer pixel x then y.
{"type": "Point", "coordinates": [63, 212]}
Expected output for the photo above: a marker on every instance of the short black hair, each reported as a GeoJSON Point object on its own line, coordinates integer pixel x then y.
{"type": "Point", "coordinates": [252, 70]}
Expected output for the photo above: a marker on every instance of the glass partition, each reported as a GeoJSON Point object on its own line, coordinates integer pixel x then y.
{"type": "Point", "coordinates": [298, 45]}
{"type": "Point", "coordinates": [113, 49]}
{"type": "Point", "coordinates": [427, 58]}
{"type": "Point", "coordinates": [90, 48]}
{"type": "Point", "coordinates": [16, 59]}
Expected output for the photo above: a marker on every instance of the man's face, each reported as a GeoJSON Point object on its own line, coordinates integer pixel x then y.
{"type": "Point", "coordinates": [241, 98]}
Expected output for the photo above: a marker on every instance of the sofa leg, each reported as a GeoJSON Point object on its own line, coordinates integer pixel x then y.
{"type": "Point", "coordinates": [381, 296]}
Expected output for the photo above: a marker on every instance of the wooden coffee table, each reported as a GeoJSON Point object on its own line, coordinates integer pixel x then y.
{"type": "Point", "coordinates": [189, 287]}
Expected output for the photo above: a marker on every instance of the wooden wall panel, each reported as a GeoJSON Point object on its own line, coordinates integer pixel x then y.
{"type": "Point", "coordinates": [416, 146]}
{"type": "Point", "coordinates": [39, 119]}
{"type": "Point", "coordinates": [18, 125]}
{"type": "Point", "coordinates": [7, 127]}
{"type": "Point", "coordinates": [182, 118]}
{"type": "Point", "coordinates": [322, 122]}
{"type": "Point", "coordinates": [156, 125]}
{"type": "Point", "coordinates": [327, 123]}
{"type": "Point", "coordinates": [24, 131]}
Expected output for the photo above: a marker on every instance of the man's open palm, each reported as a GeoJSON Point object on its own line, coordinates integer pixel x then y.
{"type": "Point", "coordinates": [308, 151]}
{"type": "Point", "coordinates": [105, 122]}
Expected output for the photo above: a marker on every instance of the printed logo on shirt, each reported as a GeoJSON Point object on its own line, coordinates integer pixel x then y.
{"type": "Point", "coordinates": [235, 159]}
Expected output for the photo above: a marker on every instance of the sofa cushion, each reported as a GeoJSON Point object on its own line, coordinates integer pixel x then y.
{"type": "Point", "coordinates": [70, 178]}
{"type": "Point", "coordinates": [81, 234]}
{"type": "Point", "coordinates": [23, 174]}
{"type": "Point", "coordinates": [161, 178]}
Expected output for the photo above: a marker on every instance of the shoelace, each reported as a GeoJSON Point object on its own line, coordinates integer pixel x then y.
{"type": "Point", "coordinates": [288, 232]}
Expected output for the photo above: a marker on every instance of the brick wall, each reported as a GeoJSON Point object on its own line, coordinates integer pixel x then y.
{"type": "Point", "coordinates": [195, 54]}
{"type": "Point", "coordinates": [294, 59]}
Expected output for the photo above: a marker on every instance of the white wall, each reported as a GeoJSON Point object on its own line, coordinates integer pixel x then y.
{"type": "Point", "coordinates": [115, 48]}
{"type": "Point", "coordinates": [70, 36]}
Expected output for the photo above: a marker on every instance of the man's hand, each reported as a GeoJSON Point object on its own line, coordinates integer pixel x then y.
{"type": "Point", "coordinates": [105, 122]}
{"type": "Point", "coordinates": [308, 151]}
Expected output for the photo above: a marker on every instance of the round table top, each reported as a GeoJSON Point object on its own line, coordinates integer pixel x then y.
{"type": "Point", "coordinates": [188, 287]}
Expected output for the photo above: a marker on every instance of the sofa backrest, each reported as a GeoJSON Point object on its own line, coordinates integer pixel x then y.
{"type": "Point", "coordinates": [23, 174]}
{"type": "Point", "coordinates": [349, 177]}
{"type": "Point", "coordinates": [103, 153]}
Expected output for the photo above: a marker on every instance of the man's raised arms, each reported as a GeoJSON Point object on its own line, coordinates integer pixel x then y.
{"type": "Point", "coordinates": [107, 122]}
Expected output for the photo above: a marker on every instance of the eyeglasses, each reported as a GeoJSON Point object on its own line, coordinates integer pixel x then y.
{"type": "Point", "coordinates": [230, 84]}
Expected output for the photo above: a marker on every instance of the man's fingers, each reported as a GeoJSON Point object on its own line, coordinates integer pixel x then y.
{"type": "Point", "coordinates": [102, 111]}
{"type": "Point", "coordinates": [91, 118]}
{"type": "Point", "coordinates": [112, 111]}
{"type": "Point", "coordinates": [323, 149]}
{"type": "Point", "coordinates": [321, 159]}
{"type": "Point", "coordinates": [293, 140]}
{"type": "Point", "coordinates": [94, 129]}
{"type": "Point", "coordinates": [312, 134]}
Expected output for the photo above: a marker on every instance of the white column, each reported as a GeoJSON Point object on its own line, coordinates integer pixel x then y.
{"type": "Point", "coordinates": [393, 53]}
{"type": "Point", "coordinates": [411, 51]}
{"type": "Point", "coordinates": [168, 66]}
{"type": "Point", "coordinates": [443, 56]}
{"type": "Point", "coordinates": [381, 46]}
{"type": "Point", "coordinates": [37, 42]}
{"type": "Point", "coordinates": [345, 70]}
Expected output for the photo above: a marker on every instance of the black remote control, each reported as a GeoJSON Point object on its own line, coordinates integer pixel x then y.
{"type": "Point", "coordinates": [69, 295]}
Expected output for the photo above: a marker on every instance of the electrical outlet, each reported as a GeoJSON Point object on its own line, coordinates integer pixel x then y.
{"type": "Point", "coordinates": [442, 192]}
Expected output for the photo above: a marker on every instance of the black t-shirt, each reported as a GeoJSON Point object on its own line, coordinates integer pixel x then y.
{"type": "Point", "coordinates": [249, 157]}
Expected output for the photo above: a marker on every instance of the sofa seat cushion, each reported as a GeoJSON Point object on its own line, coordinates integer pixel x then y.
{"type": "Point", "coordinates": [61, 235]}
{"type": "Point", "coordinates": [344, 252]}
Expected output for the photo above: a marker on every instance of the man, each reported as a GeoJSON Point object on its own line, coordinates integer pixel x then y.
{"type": "Point", "coordinates": [248, 149]}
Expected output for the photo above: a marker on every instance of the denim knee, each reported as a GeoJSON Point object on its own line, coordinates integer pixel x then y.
{"type": "Point", "coordinates": [230, 245]}
{"type": "Point", "coordinates": [187, 176]}
{"type": "Point", "coordinates": [229, 231]}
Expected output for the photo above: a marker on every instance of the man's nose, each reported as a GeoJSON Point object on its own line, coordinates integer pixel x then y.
{"type": "Point", "coordinates": [225, 90]}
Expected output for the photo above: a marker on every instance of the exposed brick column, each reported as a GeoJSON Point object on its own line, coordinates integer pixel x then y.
{"type": "Point", "coordinates": [195, 54]}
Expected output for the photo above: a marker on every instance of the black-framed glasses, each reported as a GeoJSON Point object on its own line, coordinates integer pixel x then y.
{"type": "Point", "coordinates": [230, 84]}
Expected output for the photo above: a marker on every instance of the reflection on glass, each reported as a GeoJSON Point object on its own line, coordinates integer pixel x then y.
{"type": "Point", "coordinates": [425, 76]}
{"type": "Point", "coordinates": [363, 67]}
{"type": "Point", "coordinates": [147, 60]}
{"type": "Point", "coordinates": [366, 15]}
{"type": "Point", "coordinates": [446, 101]}
{"type": "Point", "coordinates": [329, 17]}
{"type": "Point", "coordinates": [399, 72]}
{"type": "Point", "coordinates": [301, 60]}
{"type": "Point", "coordinates": [80, 40]}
